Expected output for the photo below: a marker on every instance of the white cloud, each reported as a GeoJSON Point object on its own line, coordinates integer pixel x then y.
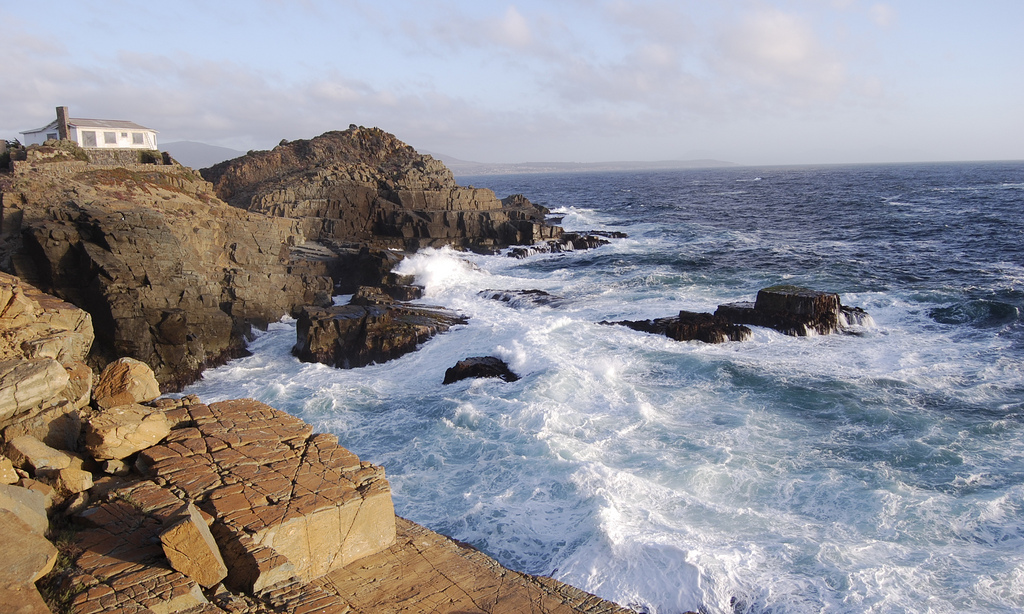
{"type": "Point", "coordinates": [779, 53]}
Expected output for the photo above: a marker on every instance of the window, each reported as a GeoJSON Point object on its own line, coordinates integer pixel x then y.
{"type": "Point", "coordinates": [51, 135]}
{"type": "Point", "coordinates": [138, 138]}
{"type": "Point", "coordinates": [124, 135]}
{"type": "Point", "coordinates": [110, 138]}
{"type": "Point", "coordinates": [88, 138]}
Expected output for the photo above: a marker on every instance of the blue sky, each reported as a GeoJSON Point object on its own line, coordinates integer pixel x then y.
{"type": "Point", "coordinates": [748, 81]}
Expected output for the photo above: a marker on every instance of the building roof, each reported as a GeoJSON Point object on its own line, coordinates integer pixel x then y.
{"type": "Point", "coordinates": [117, 124]}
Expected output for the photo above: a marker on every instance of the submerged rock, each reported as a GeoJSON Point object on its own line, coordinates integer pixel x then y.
{"type": "Point", "coordinates": [519, 298]}
{"type": "Point", "coordinates": [691, 326]}
{"type": "Point", "coordinates": [479, 366]}
{"type": "Point", "coordinates": [568, 242]}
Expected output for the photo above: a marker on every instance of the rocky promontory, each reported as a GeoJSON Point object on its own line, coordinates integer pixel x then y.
{"type": "Point", "coordinates": [364, 185]}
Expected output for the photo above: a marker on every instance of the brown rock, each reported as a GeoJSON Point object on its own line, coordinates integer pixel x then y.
{"type": "Point", "coordinates": [125, 381]}
{"type": "Point", "coordinates": [350, 336]}
{"type": "Point", "coordinates": [58, 426]}
{"type": "Point", "coordinates": [121, 431]}
{"type": "Point", "coordinates": [191, 549]}
{"type": "Point", "coordinates": [71, 480]}
{"type": "Point", "coordinates": [26, 554]}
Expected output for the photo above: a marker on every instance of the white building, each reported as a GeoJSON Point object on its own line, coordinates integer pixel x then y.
{"type": "Point", "coordinates": [93, 133]}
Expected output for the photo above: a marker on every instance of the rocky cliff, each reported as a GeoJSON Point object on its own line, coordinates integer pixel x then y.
{"type": "Point", "coordinates": [364, 185]}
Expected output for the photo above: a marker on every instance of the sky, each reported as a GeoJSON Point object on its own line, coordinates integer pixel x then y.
{"type": "Point", "coordinates": [746, 81]}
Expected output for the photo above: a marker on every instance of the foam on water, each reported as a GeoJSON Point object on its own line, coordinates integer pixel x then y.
{"type": "Point", "coordinates": [881, 471]}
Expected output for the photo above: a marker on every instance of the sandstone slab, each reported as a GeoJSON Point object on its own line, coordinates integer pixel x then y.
{"type": "Point", "coordinates": [427, 572]}
{"type": "Point", "coordinates": [27, 452]}
{"type": "Point", "coordinates": [121, 431]}
{"type": "Point", "coordinates": [191, 549]}
{"type": "Point", "coordinates": [275, 488]}
{"type": "Point", "coordinates": [27, 556]}
{"type": "Point", "coordinates": [27, 383]}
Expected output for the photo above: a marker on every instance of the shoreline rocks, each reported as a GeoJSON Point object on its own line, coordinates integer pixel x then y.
{"type": "Point", "coordinates": [791, 310]}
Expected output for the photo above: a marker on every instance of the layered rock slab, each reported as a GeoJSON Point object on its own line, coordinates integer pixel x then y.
{"type": "Point", "coordinates": [275, 489]}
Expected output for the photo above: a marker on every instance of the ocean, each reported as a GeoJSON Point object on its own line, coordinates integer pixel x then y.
{"type": "Point", "coordinates": [880, 470]}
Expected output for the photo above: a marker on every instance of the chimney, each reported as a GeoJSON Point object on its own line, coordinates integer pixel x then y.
{"type": "Point", "coordinates": [62, 123]}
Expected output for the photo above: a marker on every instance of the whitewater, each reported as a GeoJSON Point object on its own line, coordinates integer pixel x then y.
{"type": "Point", "coordinates": [880, 470]}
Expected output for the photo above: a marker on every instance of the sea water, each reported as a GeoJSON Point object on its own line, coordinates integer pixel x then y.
{"type": "Point", "coordinates": [876, 471]}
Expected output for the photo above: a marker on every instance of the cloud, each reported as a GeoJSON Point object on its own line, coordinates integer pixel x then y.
{"type": "Point", "coordinates": [513, 30]}
{"type": "Point", "coordinates": [883, 15]}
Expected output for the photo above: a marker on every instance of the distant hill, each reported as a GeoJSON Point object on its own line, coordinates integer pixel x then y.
{"type": "Point", "coordinates": [463, 167]}
{"type": "Point", "coordinates": [199, 155]}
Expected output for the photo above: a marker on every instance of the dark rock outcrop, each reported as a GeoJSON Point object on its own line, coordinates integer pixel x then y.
{"type": "Point", "coordinates": [793, 310]}
{"type": "Point", "coordinates": [691, 326]}
{"type": "Point", "coordinates": [479, 366]}
{"type": "Point", "coordinates": [364, 185]}
{"type": "Point", "coordinates": [171, 275]}
{"type": "Point", "coordinates": [350, 336]}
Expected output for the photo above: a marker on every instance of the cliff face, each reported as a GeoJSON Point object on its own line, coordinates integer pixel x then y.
{"type": "Point", "coordinates": [364, 185]}
{"type": "Point", "coordinates": [171, 275]}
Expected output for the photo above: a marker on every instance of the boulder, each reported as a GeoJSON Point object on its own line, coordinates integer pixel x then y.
{"type": "Point", "coordinates": [191, 549]}
{"type": "Point", "coordinates": [123, 382]}
{"type": "Point", "coordinates": [70, 481]}
{"type": "Point", "coordinates": [351, 336]}
{"type": "Point", "coordinates": [119, 432]}
{"type": "Point", "coordinates": [479, 366]}
{"type": "Point", "coordinates": [58, 426]}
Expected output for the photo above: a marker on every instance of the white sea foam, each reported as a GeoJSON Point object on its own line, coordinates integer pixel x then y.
{"type": "Point", "coordinates": [841, 473]}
